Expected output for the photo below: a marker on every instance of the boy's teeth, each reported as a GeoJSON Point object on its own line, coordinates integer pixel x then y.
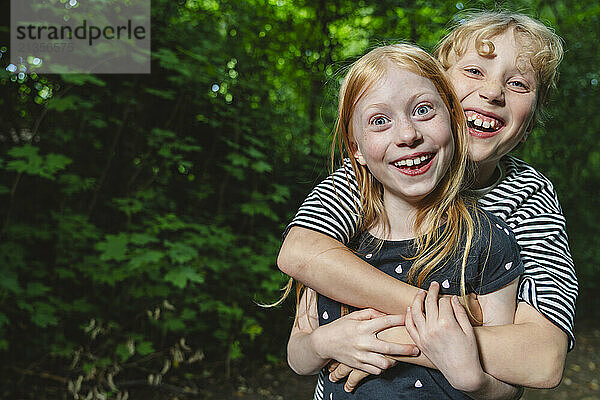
{"type": "Point", "coordinates": [482, 121]}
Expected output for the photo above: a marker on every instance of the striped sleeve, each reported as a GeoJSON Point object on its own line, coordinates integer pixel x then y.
{"type": "Point", "coordinates": [526, 200]}
{"type": "Point", "coordinates": [332, 207]}
{"type": "Point", "coordinates": [549, 283]}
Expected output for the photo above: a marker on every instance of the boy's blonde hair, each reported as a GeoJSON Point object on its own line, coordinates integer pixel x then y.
{"type": "Point", "coordinates": [540, 45]}
{"type": "Point", "coordinates": [443, 219]}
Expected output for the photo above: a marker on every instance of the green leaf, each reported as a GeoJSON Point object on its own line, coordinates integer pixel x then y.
{"type": "Point", "coordinates": [236, 350]}
{"type": "Point", "coordinates": [113, 248]}
{"type": "Point", "coordinates": [142, 239]}
{"type": "Point", "coordinates": [173, 324]}
{"type": "Point", "coordinates": [180, 276]}
{"type": "Point", "coordinates": [43, 315]}
{"type": "Point", "coordinates": [144, 348]}
{"type": "Point", "coordinates": [165, 94]}
{"type": "Point", "coordinates": [181, 253]}
{"type": "Point", "coordinates": [30, 162]}
{"type": "Point", "coordinates": [61, 104]}
{"type": "Point", "coordinates": [82, 79]}
{"type": "Point", "coordinates": [262, 166]}
{"type": "Point", "coordinates": [35, 289]}
{"type": "Point", "coordinates": [145, 257]}
{"type": "Point", "coordinates": [123, 351]}
{"type": "Point", "coordinates": [3, 320]}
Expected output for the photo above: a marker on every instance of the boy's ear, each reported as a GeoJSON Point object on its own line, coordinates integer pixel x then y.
{"type": "Point", "coordinates": [357, 154]}
{"type": "Point", "coordinates": [528, 131]}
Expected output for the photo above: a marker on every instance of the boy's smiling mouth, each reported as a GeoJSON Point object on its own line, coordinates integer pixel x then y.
{"type": "Point", "coordinates": [483, 125]}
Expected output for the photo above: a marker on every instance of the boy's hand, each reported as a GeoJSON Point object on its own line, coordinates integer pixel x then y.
{"type": "Point", "coordinates": [340, 371]}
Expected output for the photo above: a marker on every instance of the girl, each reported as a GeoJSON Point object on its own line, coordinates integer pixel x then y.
{"type": "Point", "coordinates": [402, 124]}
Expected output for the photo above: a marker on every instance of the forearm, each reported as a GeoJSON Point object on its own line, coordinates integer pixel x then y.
{"type": "Point", "coordinates": [327, 266]}
{"type": "Point", "coordinates": [302, 355]}
{"type": "Point", "coordinates": [489, 388]}
{"type": "Point", "coordinates": [526, 354]}
{"type": "Point", "coordinates": [531, 352]}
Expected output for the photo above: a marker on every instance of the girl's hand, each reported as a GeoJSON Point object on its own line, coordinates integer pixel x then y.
{"type": "Point", "coordinates": [352, 340]}
{"type": "Point", "coordinates": [445, 335]}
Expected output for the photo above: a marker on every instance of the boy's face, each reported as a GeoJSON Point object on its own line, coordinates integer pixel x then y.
{"type": "Point", "coordinates": [498, 94]}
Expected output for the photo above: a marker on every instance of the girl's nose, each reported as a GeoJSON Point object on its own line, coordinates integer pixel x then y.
{"type": "Point", "coordinates": [407, 135]}
{"type": "Point", "coordinates": [493, 92]}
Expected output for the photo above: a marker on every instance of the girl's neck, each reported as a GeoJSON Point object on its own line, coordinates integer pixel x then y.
{"type": "Point", "coordinates": [401, 219]}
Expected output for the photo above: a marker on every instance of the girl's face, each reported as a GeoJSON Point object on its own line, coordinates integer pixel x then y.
{"type": "Point", "coordinates": [402, 133]}
{"type": "Point", "coordinates": [498, 94]}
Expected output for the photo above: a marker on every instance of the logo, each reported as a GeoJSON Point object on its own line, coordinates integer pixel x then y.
{"type": "Point", "coordinates": [80, 36]}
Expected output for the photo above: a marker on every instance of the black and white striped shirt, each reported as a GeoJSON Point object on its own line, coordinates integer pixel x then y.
{"type": "Point", "coordinates": [524, 199]}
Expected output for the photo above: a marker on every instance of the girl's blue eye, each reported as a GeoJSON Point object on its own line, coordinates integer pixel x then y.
{"type": "Point", "coordinates": [423, 109]}
{"type": "Point", "coordinates": [378, 121]}
{"type": "Point", "coordinates": [474, 71]}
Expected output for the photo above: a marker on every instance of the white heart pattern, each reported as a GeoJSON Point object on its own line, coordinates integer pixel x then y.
{"type": "Point", "coordinates": [418, 384]}
{"type": "Point", "coordinates": [446, 284]}
{"type": "Point", "coordinates": [507, 266]}
{"type": "Point", "coordinates": [398, 269]}
{"type": "Point", "coordinates": [506, 231]}
{"type": "Point", "coordinates": [325, 315]}
{"type": "Point", "coordinates": [330, 396]}
{"type": "Point", "coordinates": [369, 255]}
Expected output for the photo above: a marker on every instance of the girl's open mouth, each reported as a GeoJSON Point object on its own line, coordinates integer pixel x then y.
{"type": "Point", "coordinates": [415, 164]}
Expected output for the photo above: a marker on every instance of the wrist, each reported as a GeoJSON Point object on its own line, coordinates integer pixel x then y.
{"type": "Point", "coordinates": [317, 343]}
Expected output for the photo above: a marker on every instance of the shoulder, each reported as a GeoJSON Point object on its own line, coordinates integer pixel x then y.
{"type": "Point", "coordinates": [492, 231]}
{"type": "Point", "coordinates": [497, 252]}
{"type": "Point", "coordinates": [342, 178]}
{"type": "Point", "coordinates": [523, 193]}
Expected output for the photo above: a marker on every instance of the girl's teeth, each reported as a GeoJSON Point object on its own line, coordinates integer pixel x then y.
{"type": "Point", "coordinates": [486, 124]}
{"type": "Point", "coordinates": [411, 161]}
{"type": "Point", "coordinates": [492, 123]}
{"type": "Point", "coordinates": [478, 122]}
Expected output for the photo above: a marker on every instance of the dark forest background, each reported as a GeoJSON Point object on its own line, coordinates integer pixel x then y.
{"type": "Point", "coordinates": [141, 215]}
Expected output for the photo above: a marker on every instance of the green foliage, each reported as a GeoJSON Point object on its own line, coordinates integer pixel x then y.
{"type": "Point", "coordinates": [153, 205]}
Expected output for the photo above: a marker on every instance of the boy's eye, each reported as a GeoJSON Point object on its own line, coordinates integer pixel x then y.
{"type": "Point", "coordinates": [379, 120]}
{"type": "Point", "coordinates": [422, 109]}
{"type": "Point", "coordinates": [474, 71]}
{"type": "Point", "coordinates": [518, 84]}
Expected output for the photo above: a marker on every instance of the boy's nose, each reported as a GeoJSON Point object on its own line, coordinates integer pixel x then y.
{"type": "Point", "coordinates": [493, 92]}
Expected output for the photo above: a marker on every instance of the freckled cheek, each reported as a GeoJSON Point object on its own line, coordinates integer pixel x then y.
{"type": "Point", "coordinates": [374, 149]}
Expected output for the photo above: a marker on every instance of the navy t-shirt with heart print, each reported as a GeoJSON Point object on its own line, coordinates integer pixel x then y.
{"type": "Point", "coordinates": [493, 262]}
